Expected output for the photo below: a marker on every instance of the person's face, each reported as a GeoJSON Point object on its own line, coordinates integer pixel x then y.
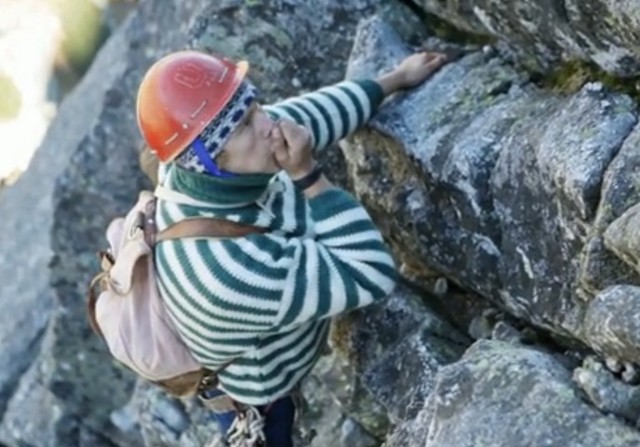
{"type": "Point", "coordinates": [249, 150]}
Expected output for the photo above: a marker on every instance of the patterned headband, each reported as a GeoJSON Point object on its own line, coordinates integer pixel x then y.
{"type": "Point", "coordinates": [218, 131]}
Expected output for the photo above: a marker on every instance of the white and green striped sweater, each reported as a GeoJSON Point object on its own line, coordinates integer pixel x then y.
{"type": "Point", "coordinates": [266, 298]}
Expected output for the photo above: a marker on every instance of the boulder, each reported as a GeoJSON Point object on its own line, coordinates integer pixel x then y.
{"type": "Point", "coordinates": [607, 393]}
{"type": "Point", "coordinates": [394, 351]}
{"type": "Point", "coordinates": [504, 395]}
{"type": "Point", "coordinates": [504, 189]}
{"type": "Point", "coordinates": [611, 323]}
{"type": "Point", "coordinates": [623, 239]}
{"type": "Point", "coordinates": [542, 33]}
{"type": "Point", "coordinates": [87, 172]}
{"type": "Point", "coordinates": [608, 254]}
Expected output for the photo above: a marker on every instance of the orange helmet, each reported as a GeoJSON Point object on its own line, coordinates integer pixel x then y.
{"type": "Point", "coordinates": [180, 94]}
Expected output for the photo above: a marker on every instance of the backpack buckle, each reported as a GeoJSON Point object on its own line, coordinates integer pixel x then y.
{"type": "Point", "coordinates": [149, 226]}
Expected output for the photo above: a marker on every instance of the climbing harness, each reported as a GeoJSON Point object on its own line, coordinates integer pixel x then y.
{"type": "Point", "coordinates": [247, 429]}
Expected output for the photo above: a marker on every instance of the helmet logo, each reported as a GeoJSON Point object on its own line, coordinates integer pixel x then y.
{"type": "Point", "coordinates": [194, 76]}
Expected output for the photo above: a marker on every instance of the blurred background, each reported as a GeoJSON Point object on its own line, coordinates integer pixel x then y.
{"type": "Point", "coordinates": [45, 48]}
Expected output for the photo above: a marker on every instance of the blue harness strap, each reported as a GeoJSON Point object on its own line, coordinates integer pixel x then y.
{"type": "Point", "coordinates": [210, 165]}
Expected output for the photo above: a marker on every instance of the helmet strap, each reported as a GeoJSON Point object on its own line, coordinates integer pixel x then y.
{"type": "Point", "coordinates": [210, 164]}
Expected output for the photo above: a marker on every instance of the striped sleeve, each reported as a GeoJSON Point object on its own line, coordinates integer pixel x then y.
{"type": "Point", "coordinates": [345, 266]}
{"type": "Point", "coordinates": [332, 113]}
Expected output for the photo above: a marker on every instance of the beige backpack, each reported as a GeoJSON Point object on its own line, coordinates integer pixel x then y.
{"type": "Point", "coordinates": [128, 312]}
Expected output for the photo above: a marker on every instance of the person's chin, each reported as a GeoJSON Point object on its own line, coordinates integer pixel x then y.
{"type": "Point", "coordinates": [274, 167]}
{"type": "Point", "coordinates": [270, 170]}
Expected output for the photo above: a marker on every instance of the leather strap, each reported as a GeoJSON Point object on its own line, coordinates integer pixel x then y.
{"type": "Point", "coordinates": [193, 227]}
{"type": "Point", "coordinates": [200, 227]}
{"type": "Point", "coordinates": [207, 227]}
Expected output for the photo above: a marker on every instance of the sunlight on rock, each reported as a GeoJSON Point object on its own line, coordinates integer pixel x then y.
{"type": "Point", "coordinates": [45, 48]}
{"type": "Point", "coordinates": [29, 38]}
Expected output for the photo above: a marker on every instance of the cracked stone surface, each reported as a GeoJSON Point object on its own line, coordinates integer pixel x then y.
{"type": "Point", "coordinates": [608, 392]}
{"type": "Point", "coordinates": [503, 395]}
{"type": "Point", "coordinates": [507, 190]}
{"type": "Point", "coordinates": [495, 195]}
{"type": "Point", "coordinates": [543, 32]}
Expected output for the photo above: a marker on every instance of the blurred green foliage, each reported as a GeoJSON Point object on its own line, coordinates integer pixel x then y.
{"type": "Point", "coordinates": [84, 32]}
{"type": "Point", "coordinates": [10, 99]}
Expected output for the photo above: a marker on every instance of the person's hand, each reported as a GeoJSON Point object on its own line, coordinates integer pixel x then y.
{"type": "Point", "coordinates": [418, 67]}
{"type": "Point", "coordinates": [412, 71]}
{"type": "Point", "coordinates": [295, 155]}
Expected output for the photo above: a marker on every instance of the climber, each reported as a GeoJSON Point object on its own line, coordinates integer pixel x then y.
{"type": "Point", "coordinates": [256, 308]}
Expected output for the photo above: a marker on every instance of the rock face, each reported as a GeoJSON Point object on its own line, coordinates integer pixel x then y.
{"type": "Point", "coordinates": [511, 193]}
{"type": "Point", "coordinates": [501, 187]}
{"type": "Point", "coordinates": [510, 210]}
{"type": "Point", "coordinates": [543, 32]}
{"type": "Point", "coordinates": [86, 173]}
{"type": "Point", "coordinates": [503, 396]}
{"type": "Point", "coordinates": [611, 323]}
{"type": "Point", "coordinates": [72, 387]}
{"type": "Point", "coordinates": [395, 350]}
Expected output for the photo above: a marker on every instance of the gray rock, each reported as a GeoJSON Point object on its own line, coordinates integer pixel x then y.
{"type": "Point", "coordinates": [56, 228]}
{"type": "Point", "coordinates": [609, 394]}
{"type": "Point", "coordinates": [363, 336]}
{"type": "Point", "coordinates": [320, 420]}
{"type": "Point", "coordinates": [353, 435]}
{"type": "Point", "coordinates": [622, 237]}
{"type": "Point", "coordinates": [546, 190]}
{"type": "Point", "coordinates": [277, 38]}
{"type": "Point", "coordinates": [482, 326]}
{"type": "Point", "coordinates": [503, 396]}
{"type": "Point", "coordinates": [613, 364]}
{"type": "Point", "coordinates": [541, 33]}
{"type": "Point", "coordinates": [424, 123]}
{"type": "Point", "coordinates": [600, 267]}
{"type": "Point", "coordinates": [396, 347]}
{"type": "Point", "coordinates": [630, 373]}
{"type": "Point", "coordinates": [336, 377]}
{"type": "Point", "coordinates": [611, 325]}
{"type": "Point", "coordinates": [403, 378]}
{"type": "Point", "coordinates": [409, 433]}
{"type": "Point", "coordinates": [91, 155]}
{"type": "Point", "coordinates": [168, 422]}
{"type": "Point", "coordinates": [499, 186]}
{"type": "Point", "coordinates": [125, 419]}
{"type": "Point", "coordinates": [33, 429]}
{"type": "Point", "coordinates": [504, 332]}
{"type": "Point", "coordinates": [171, 415]}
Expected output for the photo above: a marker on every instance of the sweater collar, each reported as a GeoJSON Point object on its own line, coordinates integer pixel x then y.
{"type": "Point", "coordinates": [242, 189]}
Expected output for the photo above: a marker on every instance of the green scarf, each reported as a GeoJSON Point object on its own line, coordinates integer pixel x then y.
{"type": "Point", "coordinates": [243, 188]}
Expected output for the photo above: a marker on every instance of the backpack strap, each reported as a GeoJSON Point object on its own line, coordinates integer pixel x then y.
{"type": "Point", "coordinates": [199, 227]}
{"type": "Point", "coordinates": [192, 227]}
{"type": "Point", "coordinates": [207, 227]}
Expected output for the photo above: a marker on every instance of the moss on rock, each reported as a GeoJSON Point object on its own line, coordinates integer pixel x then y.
{"type": "Point", "coordinates": [570, 76]}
